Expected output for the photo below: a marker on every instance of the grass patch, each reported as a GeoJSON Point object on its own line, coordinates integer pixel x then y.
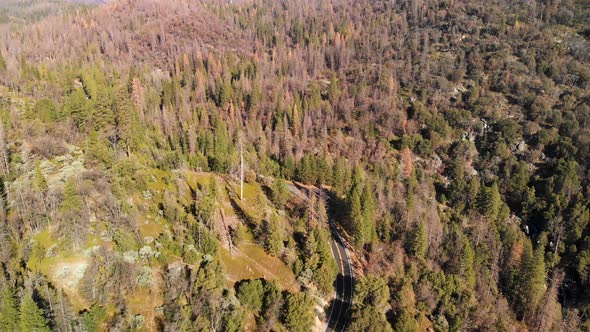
{"type": "Point", "coordinates": [44, 238]}
{"type": "Point", "coordinates": [151, 229]}
{"type": "Point", "coordinates": [251, 262]}
{"type": "Point", "coordinates": [144, 302]}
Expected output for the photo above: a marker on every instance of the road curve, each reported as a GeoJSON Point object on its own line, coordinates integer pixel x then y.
{"type": "Point", "coordinates": [339, 309]}
{"type": "Point", "coordinates": [344, 284]}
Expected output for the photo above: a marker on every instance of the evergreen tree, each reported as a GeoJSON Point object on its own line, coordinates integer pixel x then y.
{"type": "Point", "coordinates": [299, 315]}
{"type": "Point", "coordinates": [2, 63]}
{"type": "Point", "coordinates": [39, 180]}
{"type": "Point", "coordinates": [368, 319]}
{"type": "Point", "coordinates": [311, 245]}
{"type": "Point", "coordinates": [418, 244]}
{"type": "Point", "coordinates": [98, 151]}
{"type": "Point", "coordinates": [356, 217]}
{"type": "Point", "coordinates": [372, 291]}
{"type": "Point", "coordinates": [288, 169]}
{"type": "Point", "coordinates": [340, 176]}
{"type": "Point", "coordinates": [468, 261]}
{"type": "Point", "coordinates": [103, 116]}
{"type": "Point", "coordinates": [410, 187]}
{"type": "Point", "coordinates": [321, 212]}
{"type": "Point", "coordinates": [357, 179]}
{"type": "Point", "coordinates": [274, 236]}
{"type": "Point", "coordinates": [326, 272]}
{"type": "Point", "coordinates": [405, 322]}
{"type": "Point", "coordinates": [233, 321]}
{"type": "Point", "coordinates": [206, 204]}
{"type": "Point", "coordinates": [251, 294]}
{"type": "Point", "coordinates": [280, 193]}
{"type": "Point", "coordinates": [536, 278]}
{"type": "Point", "coordinates": [519, 180]}
{"type": "Point", "coordinates": [371, 298]}
{"type": "Point", "coordinates": [92, 317]}
{"type": "Point", "coordinates": [31, 316]}
{"type": "Point", "coordinates": [272, 299]}
{"type": "Point", "coordinates": [221, 158]}
{"type": "Point", "coordinates": [77, 107]}
{"type": "Point", "coordinates": [125, 118]}
{"type": "Point", "coordinates": [323, 170]}
{"type": "Point", "coordinates": [531, 278]}
{"type": "Point", "coordinates": [490, 201]}
{"type": "Point", "coordinates": [306, 172]}
{"type": "Point", "coordinates": [579, 218]}
{"type": "Point", "coordinates": [9, 315]}
{"type": "Point", "coordinates": [369, 211]}
{"type": "Point", "coordinates": [45, 110]}
{"type": "Point", "coordinates": [72, 200]}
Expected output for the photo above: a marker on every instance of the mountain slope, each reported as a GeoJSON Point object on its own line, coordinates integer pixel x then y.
{"type": "Point", "coordinates": [125, 31]}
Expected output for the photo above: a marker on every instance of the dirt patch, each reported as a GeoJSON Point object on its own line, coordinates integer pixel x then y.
{"type": "Point", "coordinates": [67, 274]}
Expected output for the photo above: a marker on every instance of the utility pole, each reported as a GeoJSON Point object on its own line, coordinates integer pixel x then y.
{"type": "Point", "coordinates": [241, 168]}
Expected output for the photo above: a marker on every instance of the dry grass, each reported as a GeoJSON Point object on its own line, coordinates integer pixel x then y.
{"type": "Point", "coordinates": [252, 262]}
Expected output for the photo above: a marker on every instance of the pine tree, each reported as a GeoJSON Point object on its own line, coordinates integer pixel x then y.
{"type": "Point", "coordinates": [251, 294]}
{"type": "Point", "coordinates": [490, 201]}
{"type": "Point", "coordinates": [324, 175]}
{"type": "Point", "coordinates": [468, 261]}
{"type": "Point", "coordinates": [579, 218]}
{"type": "Point", "coordinates": [31, 316]}
{"type": "Point", "coordinates": [369, 211]}
{"type": "Point", "coordinates": [311, 244]}
{"type": "Point", "coordinates": [322, 213]}
{"type": "Point", "coordinates": [97, 151]}
{"type": "Point", "coordinates": [93, 317]}
{"type": "Point", "coordinates": [4, 156]}
{"type": "Point", "coordinates": [418, 244]}
{"type": "Point", "coordinates": [288, 169]}
{"type": "Point", "coordinates": [357, 179]}
{"type": "Point", "coordinates": [405, 323]}
{"type": "Point", "coordinates": [356, 217]}
{"type": "Point", "coordinates": [221, 159]}
{"type": "Point", "coordinates": [339, 177]}
{"type": "Point", "coordinates": [77, 107]}
{"type": "Point", "coordinates": [410, 187]}
{"type": "Point", "coordinates": [125, 119]}
{"type": "Point", "coordinates": [103, 116]}
{"type": "Point", "coordinates": [536, 278]}
{"type": "Point", "coordinates": [368, 319]}
{"type": "Point", "coordinates": [299, 315]}
{"type": "Point", "coordinates": [72, 200]}
{"type": "Point", "coordinates": [39, 181]}
{"type": "Point", "coordinates": [274, 236]}
{"type": "Point", "coordinates": [280, 193]}
{"type": "Point", "coordinates": [2, 63]}
{"type": "Point", "coordinates": [206, 204]}
{"type": "Point", "coordinates": [532, 277]}
{"type": "Point", "coordinates": [370, 303]}
{"type": "Point", "coordinates": [9, 315]}
{"type": "Point", "coordinates": [306, 172]}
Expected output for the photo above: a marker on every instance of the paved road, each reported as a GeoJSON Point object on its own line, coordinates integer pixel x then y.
{"type": "Point", "coordinates": [339, 311]}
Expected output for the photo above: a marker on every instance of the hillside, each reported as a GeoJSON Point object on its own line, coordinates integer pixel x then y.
{"type": "Point", "coordinates": [26, 11]}
{"type": "Point", "coordinates": [141, 32]}
{"type": "Point", "coordinates": [440, 146]}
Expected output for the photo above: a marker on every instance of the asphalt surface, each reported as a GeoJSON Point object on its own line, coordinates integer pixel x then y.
{"type": "Point", "coordinates": [339, 310]}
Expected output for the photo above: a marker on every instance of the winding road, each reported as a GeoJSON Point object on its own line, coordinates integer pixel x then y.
{"type": "Point", "coordinates": [339, 310]}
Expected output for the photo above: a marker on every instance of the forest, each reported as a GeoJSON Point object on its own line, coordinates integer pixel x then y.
{"type": "Point", "coordinates": [449, 141]}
